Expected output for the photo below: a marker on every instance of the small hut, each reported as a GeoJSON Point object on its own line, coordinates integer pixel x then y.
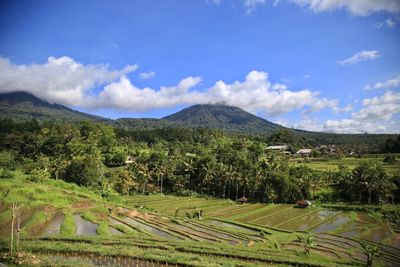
{"type": "Point", "coordinates": [129, 160]}
{"type": "Point", "coordinates": [303, 203]}
{"type": "Point", "coordinates": [242, 200]}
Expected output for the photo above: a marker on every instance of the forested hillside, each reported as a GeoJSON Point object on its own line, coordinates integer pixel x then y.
{"type": "Point", "coordinates": [182, 161]}
{"type": "Point", "coordinates": [21, 106]}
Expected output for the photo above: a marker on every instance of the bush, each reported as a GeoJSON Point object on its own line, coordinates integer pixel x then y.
{"type": "Point", "coordinates": [6, 174]}
{"type": "Point", "coordinates": [389, 159]}
{"type": "Point", "coordinates": [7, 160]}
{"type": "Point", "coordinates": [39, 175]}
{"type": "Point", "coordinates": [188, 193]}
{"type": "Point", "coordinates": [68, 226]}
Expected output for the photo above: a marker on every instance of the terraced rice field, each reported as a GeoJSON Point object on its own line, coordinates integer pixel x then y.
{"type": "Point", "coordinates": [80, 230]}
{"type": "Point", "coordinates": [281, 216]}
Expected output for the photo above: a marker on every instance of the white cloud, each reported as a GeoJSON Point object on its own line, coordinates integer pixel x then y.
{"type": "Point", "coordinates": [217, 2]}
{"type": "Point", "coordinates": [391, 83]}
{"type": "Point", "coordinates": [360, 56]}
{"type": "Point", "coordinates": [307, 124]}
{"type": "Point", "coordinates": [147, 75]}
{"type": "Point", "coordinates": [279, 87]}
{"type": "Point", "coordinates": [60, 80]}
{"type": "Point", "coordinates": [123, 95]}
{"type": "Point", "coordinates": [354, 7]}
{"type": "Point", "coordinates": [251, 5]}
{"type": "Point", "coordinates": [255, 93]}
{"type": "Point", "coordinates": [389, 22]}
{"type": "Point", "coordinates": [347, 108]}
{"type": "Point", "coordinates": [376, 116]}
{"type": "Point", "coordinates": [68, 82]}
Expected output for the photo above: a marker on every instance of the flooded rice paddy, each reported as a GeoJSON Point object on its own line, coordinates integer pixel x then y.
{"type": "Point", "coordinates": [84, 227]}
{"type": "Point", "coordinates": [147, 228]}
{"type": "Point", "coordinates": [55, 225]}
{"type": "Point", "coordinates": [101, 260]}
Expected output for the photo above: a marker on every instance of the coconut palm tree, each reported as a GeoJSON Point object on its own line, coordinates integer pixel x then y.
{"type": "Point", "coordinates": [307, 241]}
{"type": "Point", "coordinates": [145, 176]}
{"type": "Point", "coordinates": [370, 252]}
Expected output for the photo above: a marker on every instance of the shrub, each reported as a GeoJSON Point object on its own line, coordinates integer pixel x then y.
{"type": "Point", "coordinates": [68, 226]}
{"type": "Point", "coordinates": [7, 160]}
{"type": "Point", "coordinates": [39, 175]}
{"type": "Point", "coordinates": [6, 174]}
{"type": "Point", "coordinates": [389, 159]}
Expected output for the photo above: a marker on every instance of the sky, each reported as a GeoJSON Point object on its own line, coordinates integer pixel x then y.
{"type": "Point", "coordinates": [319, 65]}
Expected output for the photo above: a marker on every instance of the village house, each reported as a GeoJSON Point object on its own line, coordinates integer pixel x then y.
{"type": "Point", "coordinates": [304, 152]}
{"type": "Point", "coordinates": [282, 149]}
{"type": "Point", "coordinates": [129, 160]}
{"type": "Point", "coordinates": [277, 148]}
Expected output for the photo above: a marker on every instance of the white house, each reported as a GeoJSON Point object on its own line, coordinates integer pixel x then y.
{"type": "Point", "coordinates": [304, 152]}
{"type": "Point", "coordinates": [277, 148]}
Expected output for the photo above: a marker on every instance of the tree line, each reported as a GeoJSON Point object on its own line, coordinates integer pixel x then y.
{"type": "Point", "coordinates": [181, 161]}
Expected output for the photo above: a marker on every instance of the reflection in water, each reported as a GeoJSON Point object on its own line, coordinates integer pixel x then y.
{"type": "Point", "coordinates": [84, 227]}
{"type": "Point", "coordinates": [101, 260]}
{"type": "Point", "coordinates": [332, 225]}
{"type": "Point", "coordinates": [145, 227]}
{"type": "Point", "coordinates": [55, 225]}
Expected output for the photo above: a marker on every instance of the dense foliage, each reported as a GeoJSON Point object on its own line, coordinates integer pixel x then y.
{"type": "Point", "coordinates": [181, 161]}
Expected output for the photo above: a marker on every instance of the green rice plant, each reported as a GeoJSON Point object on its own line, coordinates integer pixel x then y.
{"type": "Point", "coordinates": [89, 216]}
{"type": "Point", "coordinates": [124, 229]}
{"type": "Point", "coordinates": [370, 251]}
{"type": "Point", "coordinates": [102, 229]}
{"type": "Point", "coordinates": [68, 226]}
{"type": "Point", "coordinates": [5, 216]}
{"type": "Point", "coordinates": [307, 241]}
{"type": "Point", "coordinates": [38, 219]}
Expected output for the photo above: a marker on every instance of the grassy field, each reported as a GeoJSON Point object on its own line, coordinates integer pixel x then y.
{"type": "Point", "coordinates": [65, 225]}
{"type": "Point", "coordinates": [331, 164]}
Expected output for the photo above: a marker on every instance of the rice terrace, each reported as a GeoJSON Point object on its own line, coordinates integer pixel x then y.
{"type": "Point", "coordinates": [202, 133]}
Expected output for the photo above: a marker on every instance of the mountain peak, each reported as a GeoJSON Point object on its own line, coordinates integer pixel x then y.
{"type": "Point", "coordinates": [222, 116]}
{"type": "Point", "coordinates": [25, 106]}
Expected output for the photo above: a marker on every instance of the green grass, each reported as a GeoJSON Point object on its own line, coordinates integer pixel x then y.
{"type": "Point", "coordinates": [89, 216]}
{"type": "Point", "coordinates": [124, 229]}
{"type": "Point", "coordinates": [38, 219]}
{"type": "Point", "coordinates": [68, 226]}
{"type": "Point", "coordinates": [331, 164]}
{"type": "Point", "coordinates": [102, 229]}
{"type": "Point", "coordinates": [265, 250]}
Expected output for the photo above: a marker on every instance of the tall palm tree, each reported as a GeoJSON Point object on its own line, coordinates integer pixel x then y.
{"type": "Point", "coordinates": [145, 175]}
{"type": "Point", "coordinates": [208, 176]}
{"type": "Point", "coordinates": [370, 252]}
{"type": "Point", "coordinates": [230, 173]}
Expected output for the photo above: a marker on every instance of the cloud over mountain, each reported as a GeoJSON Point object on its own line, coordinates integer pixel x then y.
{"type": "Point", "coordinates": [65, 81]}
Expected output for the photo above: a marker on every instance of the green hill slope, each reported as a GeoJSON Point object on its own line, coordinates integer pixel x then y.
{"type": "Point", "coordinates": [21, 106]}
{"type": "Point", "coordinates": [232, 119]}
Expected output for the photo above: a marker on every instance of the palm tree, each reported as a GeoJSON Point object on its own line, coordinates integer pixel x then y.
{"type": "Point", "coordinates": [208, 176]}
{"type": "Point", "coordinates": [222, 179]}
{"type": "Point", "coordinates": [370, 252]}
{"type": "Point", "coordinates": [230, 173]}
{"type": "Point", "coordinates": [145, 175]}
{"type": "Point", "coordinates": [308, 242]}
{"type": "Point", "coordinates": [189, 167]}
{"type": "Point", "coordinates": [237, 176]}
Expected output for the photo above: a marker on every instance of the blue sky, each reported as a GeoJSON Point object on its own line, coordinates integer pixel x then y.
{"type": "Point", "coordinates": [328, 65]}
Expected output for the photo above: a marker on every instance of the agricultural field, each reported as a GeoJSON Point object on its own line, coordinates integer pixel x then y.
{"type": "Point", "coordinates": [67, 225]}
{"type": "Point", "coordinates": [331, 164]}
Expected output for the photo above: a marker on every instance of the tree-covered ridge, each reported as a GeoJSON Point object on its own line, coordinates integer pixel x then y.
{"type": "Point", "coordinates": [24, 106]}
{"type": "Point", "coordinates": [219, 116]}
{"type": "Point", "coordinates": [21, 106]}
{"type": "Point", "coordinates": [181, 161]}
